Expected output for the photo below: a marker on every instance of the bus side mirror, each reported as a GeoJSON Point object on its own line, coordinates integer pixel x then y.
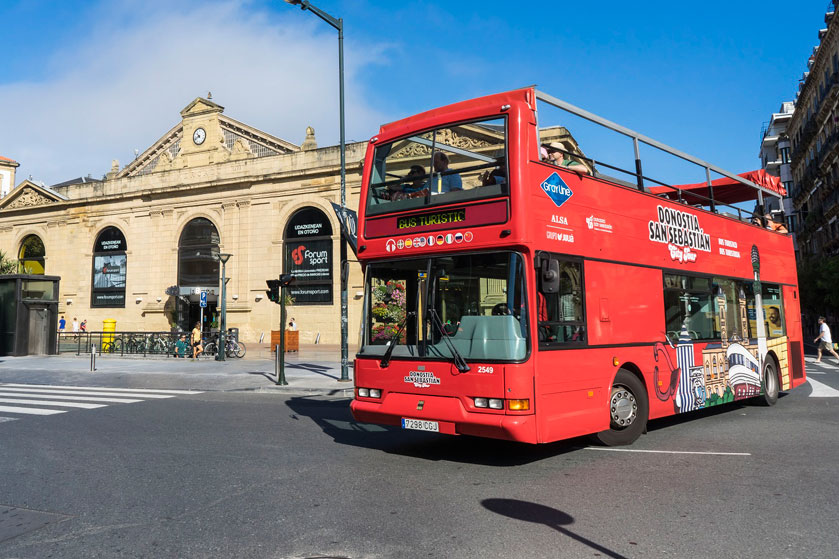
{"type": "Point", "coordinates": [549, 276]}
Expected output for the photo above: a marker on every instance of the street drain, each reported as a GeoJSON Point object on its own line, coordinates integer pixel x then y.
{"type": "Point", "coordinates": [16, 521]}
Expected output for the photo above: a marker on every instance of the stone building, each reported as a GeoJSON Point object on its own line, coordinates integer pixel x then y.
{"type": "Point", "coordinates": [775, 156]}
{"type": "Point", "coordinates": [7, 175]}
{"type": "Point", "coordinates": [814, 134]}
{"type": "Point", "coordinates": [138, 246]}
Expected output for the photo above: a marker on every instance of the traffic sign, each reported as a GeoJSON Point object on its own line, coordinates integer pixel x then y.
{"type": "Point", "coordinates": [203, 299]}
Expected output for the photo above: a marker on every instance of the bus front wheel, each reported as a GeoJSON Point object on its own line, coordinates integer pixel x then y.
{"type": "Point", "coordinates": [628, 411]}
{"type": "Point", "coordinates": [770, 383]}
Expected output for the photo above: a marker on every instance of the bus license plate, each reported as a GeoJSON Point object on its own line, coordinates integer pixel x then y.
{"type": "Point", "coordinates": [420, 425]}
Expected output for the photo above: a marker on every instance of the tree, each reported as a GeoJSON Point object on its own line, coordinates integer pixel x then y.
{"type": "Point", "coordinates": [7, 265]}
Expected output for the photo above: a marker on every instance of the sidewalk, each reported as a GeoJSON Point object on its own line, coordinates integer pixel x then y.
{"type": "Point", "coordinates": [315, 369]}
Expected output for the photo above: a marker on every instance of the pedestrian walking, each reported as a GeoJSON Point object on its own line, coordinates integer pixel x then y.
{"type": "Point", "coordinates": [62, 324]}
{"type": "Point", "coordinates": [292, 325]}
{"type": "Point", "coordinates": [824, 340]}
{"type": "Point", "coordinates": [75, 324]}
{"type": "Point", "coordinates": [197, 348]}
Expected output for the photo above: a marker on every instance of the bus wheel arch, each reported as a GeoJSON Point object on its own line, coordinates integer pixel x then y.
{"type": "Point", "coordinates": [770, 380]}
{"type": "Point", "coordinates": [629, 408]}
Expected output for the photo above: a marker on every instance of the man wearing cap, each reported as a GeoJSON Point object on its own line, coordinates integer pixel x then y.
{"type": "Point", "coordinates": [558, 156]}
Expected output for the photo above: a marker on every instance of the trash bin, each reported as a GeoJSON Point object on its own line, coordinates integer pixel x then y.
{"type": "Point", "coordinates": [233, 333]}
{"type": "Point", "coordinates": [108, 325]}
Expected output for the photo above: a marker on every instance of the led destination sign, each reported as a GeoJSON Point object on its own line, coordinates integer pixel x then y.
{"type": "Point", "coordinates": [436, 218]}
{"type": "Point", "coordinates": [473, 215]}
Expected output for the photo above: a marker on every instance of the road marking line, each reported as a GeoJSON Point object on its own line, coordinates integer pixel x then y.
{"type": "Point", "coordinates": [101, 388]}
{"type": "Point", "coordinates": [669, 451]}
{"type": "Point", "coordinates": [88, 398]}
{"type": "Point", "coordinates": [4, 419]}
{"type": "Point", "coordinates": [31, 411]}
{"type": "Point", "coordinates": [821, 390]}
{"type": "Point", "coordinates": [83, 393]}
{"type": "Point", "coordinates": [52, 403]}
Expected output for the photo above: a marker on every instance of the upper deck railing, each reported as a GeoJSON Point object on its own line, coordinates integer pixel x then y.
{"type": "Point", "coordinates": [638, 139]}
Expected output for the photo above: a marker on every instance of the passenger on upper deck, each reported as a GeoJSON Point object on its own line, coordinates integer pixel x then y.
{"type": "Point", "coordinates": [557, 155]}
{"type": "Point", "coordinates": [498, 175]}
{"type": "Point", "coordinates": [439, 182]}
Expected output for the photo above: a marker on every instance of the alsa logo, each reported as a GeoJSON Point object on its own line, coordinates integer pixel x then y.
{"type": "Point", "coordinates": [556, 189]}
{"type": "Point", "coordinates": [297, 254]}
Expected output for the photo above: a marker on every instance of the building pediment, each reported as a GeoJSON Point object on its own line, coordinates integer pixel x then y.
{"type": "Point", "coordinates": [201, 106]}
{"type": "Point", "coordinates": [28, 194]}
{"type": "Point", "coordinates": [474, 138]}
{"type": "Point", "coordinates": [224, 139]}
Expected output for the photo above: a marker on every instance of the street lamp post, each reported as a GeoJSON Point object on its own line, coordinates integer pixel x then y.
{"type": "Point", "coordinates": [223, 258]}
{"type": "Point", "coordinates": [338, 24]}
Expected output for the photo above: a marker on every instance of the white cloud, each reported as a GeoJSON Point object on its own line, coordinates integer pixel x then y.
{"type": "Point", "coordinates": [122, 86]}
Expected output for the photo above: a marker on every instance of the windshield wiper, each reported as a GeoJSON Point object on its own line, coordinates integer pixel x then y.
{"type": "Point", "coordinates": [457, 358]}
{"type": "Point", "coordinates": [392, 344]}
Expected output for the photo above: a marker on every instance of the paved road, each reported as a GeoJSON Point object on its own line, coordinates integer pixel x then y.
{"type": "Point", "coordinates": [252, 474]}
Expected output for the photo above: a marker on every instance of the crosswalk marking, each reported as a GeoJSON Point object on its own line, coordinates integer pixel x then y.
{"type": "Point", "coordinates": [32, 411]}
{"type": "Point", "coordinates": [35, 399]}
{"type": "Point", "coordinates": [81, 392]}
{"type": "Point", "coordinates": [821, 390]}
{"type": "Point", "coordinates": [143, 390]}
{"type": "Point", "coordinates": [86, 398]}
{"type": "Point", "coordinates": [51, 403]}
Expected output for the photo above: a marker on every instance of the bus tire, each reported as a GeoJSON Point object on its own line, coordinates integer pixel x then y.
{"type": "Point", "coordinates": [770, 381]}
{"type": "Point", "coordinates": [628, 411]}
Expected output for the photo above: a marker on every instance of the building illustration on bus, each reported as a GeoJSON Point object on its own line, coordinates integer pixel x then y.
{"type": "Point", "coordinates": [516, 288]}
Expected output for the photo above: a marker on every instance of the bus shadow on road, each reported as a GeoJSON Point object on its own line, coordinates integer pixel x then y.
{"type": "Point", "coordinates": [334, 418]}
{"type": "Point", "coordinates": [722, 409]}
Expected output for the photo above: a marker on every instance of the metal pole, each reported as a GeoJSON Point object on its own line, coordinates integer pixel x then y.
{"type": "Point", "coordinates": [639, 172]}
{"type": "Point", "coordinates": [223, 324]}
{"type": "Point", "coordinates": [344, 271]}
{"type": "Point", "coordinates": [92, 357]}
{"type": "Point", "coordinates": [281, 348]}
{"type": "Point", "coordinates": [710, 189]}
{"type": "Point", "coordinates": [338, 24]}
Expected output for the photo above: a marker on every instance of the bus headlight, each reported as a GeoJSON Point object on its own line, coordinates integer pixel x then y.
{"type": "Point", "coordinates": [492, 403]}
{"type": "Point", "coordinates": [370, 392]}
{"type": "Point", "coordinates": [496, 403]}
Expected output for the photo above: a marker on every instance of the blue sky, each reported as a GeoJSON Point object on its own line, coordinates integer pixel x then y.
{"type": "Point", "coordinates": [87, 82]}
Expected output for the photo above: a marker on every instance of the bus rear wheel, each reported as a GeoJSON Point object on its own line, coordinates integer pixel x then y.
{"type": "Point", "coordinates": [770, 383]}
{"type": "Point", "coordinates": [628, 411]}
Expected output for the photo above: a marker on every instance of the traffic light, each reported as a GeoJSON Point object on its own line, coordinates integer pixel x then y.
{"type": "Point", "coordinates": [273, 291]}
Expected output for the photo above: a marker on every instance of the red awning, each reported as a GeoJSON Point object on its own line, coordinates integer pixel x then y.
{"type": "Point", "coordinates": [726, 190]}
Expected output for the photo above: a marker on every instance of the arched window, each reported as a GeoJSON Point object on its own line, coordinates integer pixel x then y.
{"type": "Point", "coordinates": [197, 249]}
{"type": "Point", "coordinates": [308, 256]}
{"type": "Point", "coordinates": [109, 269]}
{"type": "Point", "coordinates": [31, 256]}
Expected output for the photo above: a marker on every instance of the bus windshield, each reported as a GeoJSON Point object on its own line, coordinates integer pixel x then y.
{"type": "Point", "coordinates": [448, 164]}
{"type": "Point", "coordinates": [476, 300]}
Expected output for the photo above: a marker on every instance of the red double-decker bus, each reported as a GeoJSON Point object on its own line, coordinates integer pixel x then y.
{"type": "Point", "coordinates": [518, 289]}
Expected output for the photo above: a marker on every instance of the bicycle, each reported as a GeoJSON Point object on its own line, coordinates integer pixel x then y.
{"type": "Point", "coordinates": [234, 348]}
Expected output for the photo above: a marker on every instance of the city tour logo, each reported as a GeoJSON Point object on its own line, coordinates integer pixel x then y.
{"type": "Point", "coordinates": [681, 232]}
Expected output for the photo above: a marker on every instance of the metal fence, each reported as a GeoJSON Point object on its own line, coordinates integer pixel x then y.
{"type": "Point", "coordinates": [120, 343]}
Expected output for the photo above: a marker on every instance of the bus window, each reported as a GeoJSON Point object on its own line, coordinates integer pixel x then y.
{"type": "Point", "coordinates": [450, 164]}
{"type": "Point", "coordinates": [688, 304]}
{"type": "Point", "coordinates": [560, 315]}
{"type": "Point", "coordinates": [476, 300]}
{"type": "Point", "coordinates": [727, 301]}
{"type": "Point", "coordinates": [773, 310]}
